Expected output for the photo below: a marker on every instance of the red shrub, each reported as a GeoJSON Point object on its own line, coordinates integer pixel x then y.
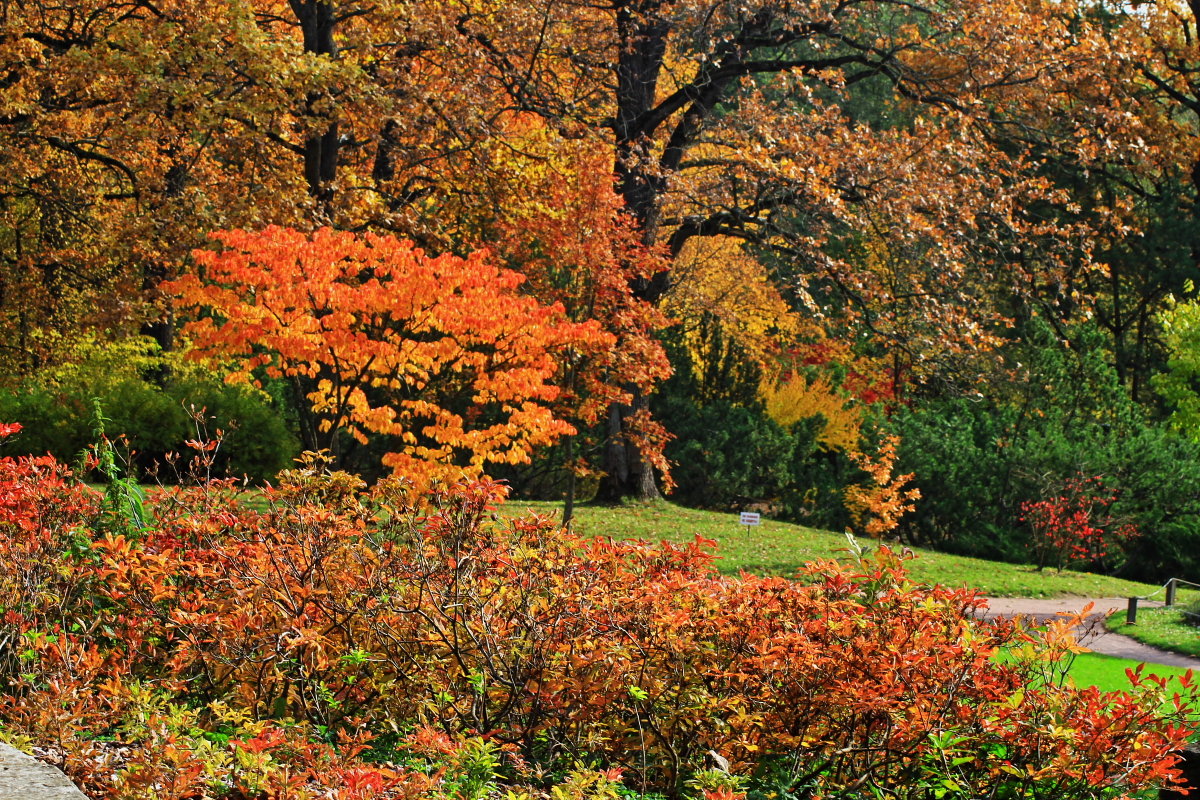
{"type": "Point", "coordinates": [1076, 524]}
{"type": "Point", "coordinates": [256, 654]}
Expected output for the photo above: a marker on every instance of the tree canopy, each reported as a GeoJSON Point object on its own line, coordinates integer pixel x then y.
{"type": "Point", "coordinates": [909, 180]}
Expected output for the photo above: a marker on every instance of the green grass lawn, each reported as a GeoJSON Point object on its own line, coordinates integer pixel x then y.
{"type": "Point", "coordinates": [1108, 672]}
{"type": "Point", "coordinates": [780, 548]}
{"type": "Point", "coordinates": [1162, 627]}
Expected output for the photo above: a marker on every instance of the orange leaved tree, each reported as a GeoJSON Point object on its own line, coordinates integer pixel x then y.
{"type": "Point", "coordinates": [442, 355]}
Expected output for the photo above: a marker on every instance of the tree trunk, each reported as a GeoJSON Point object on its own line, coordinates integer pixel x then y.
{"type": "Point", "coordinates": [626, 472]}
{"type": "Point", "coordinates": [569, 501]}
{"type": "Point", "coordinates": [643, 38]}
{"type": "Point", "coordinates": [162, 329]}
{"type": "Point", "coordinates": [317, 22]}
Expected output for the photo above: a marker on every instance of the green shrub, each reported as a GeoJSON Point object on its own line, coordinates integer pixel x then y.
{"type": "Point", "coordinates": [726, 455]}
{"type": "Point", "coordinates": [51, 424]}
{"type": "Point", "coordinates": [729, 456]}
{"type": "Point", "coordinates": [1158, 475]}
{"type": "Point", "coordinates": [976, 461]}
{"type": "Point", "coordinates": [256, 440]}
{"type": "Point", "coordinates": [57, 406]}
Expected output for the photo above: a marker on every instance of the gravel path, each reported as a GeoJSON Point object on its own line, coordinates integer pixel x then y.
{"type": "Point", "coordinates": [1093, 634]}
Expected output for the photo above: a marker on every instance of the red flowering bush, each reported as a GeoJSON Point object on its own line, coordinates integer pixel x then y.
{"type": "Point", "coordinates": [357, 643]}
{"type": "Point", "coordinates": [1076, 524]}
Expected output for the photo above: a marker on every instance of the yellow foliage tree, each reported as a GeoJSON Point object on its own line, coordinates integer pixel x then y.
{"type": "Point", "coordinates": [877, 504]}
{"type": "Point", "coordinates": [798, 398]}
{"type": "Point", "coordinates": [728, 311]}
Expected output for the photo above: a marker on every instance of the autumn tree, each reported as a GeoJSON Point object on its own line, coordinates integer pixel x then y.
{"type": "Point", "coordinates": [443, 356]}
{"type": "Point", "coordinates": [131, 129]}
{"type": "Point", "coordinates": [890, 157]}
{"type": "Point", "coordinates": [797, 398]}
{"type": "Point", "coordinates": [1155, 49]}
{"type": "Point", "coordinates": [115, 158]}
{"type": "Point", "coordinates": [146, 125]}
{"type": "Point", "coordinates": [543, 201]}
{"type": "Point", "coordinates": [1149, 72]}
{"type": "Point", "coordinates": [749, 121]}
{"type": "Point", "coordinates": [732, 321]}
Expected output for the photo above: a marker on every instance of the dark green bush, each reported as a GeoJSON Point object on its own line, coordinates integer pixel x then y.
{"type": "Point", "coordinates": [50, 424]}
{"type": "Point", "coordinates": [726, 456]}
{"type": "Point", "coordinates": [730, 456]}
{"type": "Point", "coordinates": [1158, 476]}
{"type": "Point", "coordinates": [968, 476]}
{"type": "Point", "coordinates": [976, 461]}
{"type": "Point", "coordinates": [256, 440]}
{"type": "Point", "coordinates": [57, 410]}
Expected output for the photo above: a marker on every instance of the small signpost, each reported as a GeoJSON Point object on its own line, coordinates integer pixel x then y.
{"type": "Point", "coordinates": [750, 519]}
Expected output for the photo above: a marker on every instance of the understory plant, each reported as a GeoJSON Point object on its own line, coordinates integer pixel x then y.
{"type": "Point", "coordinates": [1076, 524]}
{"type": "Point", "coordinates": [1056, 415]}
{"type": "Point", "coordinates": [371, 642]}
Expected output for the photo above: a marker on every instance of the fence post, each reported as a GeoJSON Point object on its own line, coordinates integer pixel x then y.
{"type": "Point", "coordinates": [1170, 591]}
{"type": "Point", "coordinates": [1131, 612]}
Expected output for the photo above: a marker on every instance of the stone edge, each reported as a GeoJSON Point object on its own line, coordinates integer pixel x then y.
{"type": "Point", "coordinates": [23, 777]}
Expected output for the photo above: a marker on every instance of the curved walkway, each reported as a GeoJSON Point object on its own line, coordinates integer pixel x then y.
{"type": "Point", "coordinates": [1092, 633]}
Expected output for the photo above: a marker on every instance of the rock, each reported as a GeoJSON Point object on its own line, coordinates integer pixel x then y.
{"type": "Point", "coordinates": [23, 777]}
{"type": "Point", "coordinates": [1189, 766]}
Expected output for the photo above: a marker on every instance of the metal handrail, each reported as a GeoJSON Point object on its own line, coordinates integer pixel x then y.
{"type": "Point", "coordinates": [1192, 615]}
{"type": "Point", "coordinates": [1169, 588]}
{"type": "Point", "coordinates": [1181, 580]}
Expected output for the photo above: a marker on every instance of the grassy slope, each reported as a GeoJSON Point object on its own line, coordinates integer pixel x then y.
{"type": "Point", "coordinates": [780, 548]}
{"type": "Point", "coordinates": [1161, 627]}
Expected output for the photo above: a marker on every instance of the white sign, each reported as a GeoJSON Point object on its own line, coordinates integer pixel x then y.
{"type": "Point", "coordinates": [751, 518]}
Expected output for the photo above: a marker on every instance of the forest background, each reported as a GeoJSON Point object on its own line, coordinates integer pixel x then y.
{"type": "Point", "coordinates": [807, 257]}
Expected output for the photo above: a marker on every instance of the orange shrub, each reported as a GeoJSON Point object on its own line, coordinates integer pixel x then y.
{"type": "Point", "coordinates": [240, 653]}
